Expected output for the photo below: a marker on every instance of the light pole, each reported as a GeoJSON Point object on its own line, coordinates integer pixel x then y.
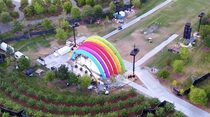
{"type": "Point", "coordinates": [133, 53]}
{"type": "Point", "coordinates": [201, 15]}
{"type": "Point", "coordinates": [116, 2]}
{"type": "Point", "coordinates": [73, 26]}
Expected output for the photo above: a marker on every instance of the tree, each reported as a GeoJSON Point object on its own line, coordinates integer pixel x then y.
{"type": "Point", "coordinates": [38, 8]}
{"type": "Point", "coordinates": [23, 3]}
{"type": "Point", "coordinates": [52, 9]}
{"type": "Point", "coordinates": [75, 13]}
{"type": "Point", "coordinates": [87, 13]}
{"type": "Point", "coordinates": [198, 96]}
{"type": "Point", "coordinates": [163, 74]}
{"type": "Point", "coordinates": [3, 6]}
{"type": "Point", "coordinates": [84, 81]}
{"type": "Point", "coordinates": [136, 3]}
{"type": "Point", "coordinates": [98, 11]}
{"type": "Point", "coordinates": [67, 6]}
{"type": "Point", "coordinates": [90, 2]}
{"type": "Point", "coordinates": [178, 66]}
{"type": "Point", "coordinates": [8, 3]}
{"type": "Point", "coordinates": [112, 7]}
{"type": "Point", "coordinates": [5, 17]}
{"type": "Point", "coordinates": [62, 72]}
{"type": "Point", "coordinates": [73, 79]}
{"type": "Point", "coordinates": [17, 26]}
{"type": "Point", "coordinates": [61, 34]}
{"type": "Point", "coordinates": [23, 63]}
{"type": "Point", "coordinates": [184, 53]}
{"type": "Point", "coordinates": [49, 76]}
{"type": "Point", "coordinates": [46, 23]}
{"type": "Point", "coordinates": [80, 3]}
{"type": "Point", "coordinates": [160, 112]}
{"type": "Point", "coordinates": [63, 24]}
{"type": "Point", "coordinates": [28, 11]}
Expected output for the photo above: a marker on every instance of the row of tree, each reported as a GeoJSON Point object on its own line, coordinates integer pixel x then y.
{"type": "Point", "coordinates": [62, 73]}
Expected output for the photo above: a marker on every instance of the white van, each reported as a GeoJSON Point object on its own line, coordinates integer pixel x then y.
{"type": "Point", "coordinates": [4, 46]}
{"type": "Point", "coordinates": [19, 55]}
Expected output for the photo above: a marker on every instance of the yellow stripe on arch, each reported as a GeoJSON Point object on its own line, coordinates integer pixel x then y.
{"type": "Point", "coordinates": [117, 62]}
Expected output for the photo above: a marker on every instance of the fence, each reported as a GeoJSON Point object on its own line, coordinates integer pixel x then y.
{"type": "Point", "coordinates": [13, 113]}
{"type": "Point", "coordinates": [152, 110]}
{"type": "Point", "coordinates": [195, 82]}
{"type": "Point", "coordinates": [28, 36]}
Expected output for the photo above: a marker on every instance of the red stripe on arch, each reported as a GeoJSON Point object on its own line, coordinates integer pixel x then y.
{"type": "Point", "coordinates": [103, 57]}
{"type": "Point", "coordinates": [107, 55]}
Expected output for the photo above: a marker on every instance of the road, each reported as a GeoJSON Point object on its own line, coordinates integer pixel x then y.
{"type": "Point", "coordinates": [17, 6]}
{"type": "Point", "coordinates": [138, 18]}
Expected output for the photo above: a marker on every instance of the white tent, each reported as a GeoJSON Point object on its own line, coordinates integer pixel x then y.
{"type": "Point", "coordinates": [63, 50]}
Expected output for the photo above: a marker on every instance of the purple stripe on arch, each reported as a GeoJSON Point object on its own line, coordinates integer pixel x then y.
{"type": "Point", "coordinates": [98, 58]}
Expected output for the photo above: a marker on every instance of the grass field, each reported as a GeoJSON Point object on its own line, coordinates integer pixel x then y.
{"type": "Point", "coordinates": [173, 17]}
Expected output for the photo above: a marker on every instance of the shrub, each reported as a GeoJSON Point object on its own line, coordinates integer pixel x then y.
{"type": "Point", "coordinates": [5, 17]}
{"type": "Point", "coordinates": [177, 114]}
{"type": "Point", "coordinates": [150, 115]}
{"type": "Point", "coordinates": [169, 107]}
{"type": "Point", "coordinates": [198, 96]}
{"type": "Point", "coordinates": [40, 104]}
{"type": "Point", "coordinates": [22, 98]}
{"type": "Point", "coordinates": [154, 101]}
{"type": "Point", "coordinates": [52, 9]}
{"type": "Point", "coordinates": [163, 74]}
{"type": "Point", "coordinates": [31, 102]}
{"type": "Point", "coordinates": [15, 94]}
{"type": "Point", "coordinates": [178, 66]}
{"type": "Point", "coordinates": [5, 115]}
{"type": "Point", "coordinates": [160, 112]}
{"type": "Point", "coordinates": [124, 113]}
{"type": "Point", "coordinates": [80, 3]}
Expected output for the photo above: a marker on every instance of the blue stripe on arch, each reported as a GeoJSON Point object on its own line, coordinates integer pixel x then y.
{"type": "Point", "coordinates": [90, 56]}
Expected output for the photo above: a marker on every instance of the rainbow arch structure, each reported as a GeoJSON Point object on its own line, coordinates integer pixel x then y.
{"type": "Point", "coordinates": [104, 55]}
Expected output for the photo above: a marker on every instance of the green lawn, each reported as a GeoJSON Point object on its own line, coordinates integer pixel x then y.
{"type": "Point", "coordinates": [149, 5]}
{"type": "Point", "coordinates": [33, 43]}
{"type": "Point", "coordinates": [173, 17]}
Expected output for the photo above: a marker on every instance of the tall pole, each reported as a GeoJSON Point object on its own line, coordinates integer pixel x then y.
{"type": "Point", "coordinates": [199, 26]}
{"type": "Point", "coordinates": [134, 66]}
{"type": "Point", "coordinates": [75, 43]}
{"type": "Point", "coordinates": [201, 17]}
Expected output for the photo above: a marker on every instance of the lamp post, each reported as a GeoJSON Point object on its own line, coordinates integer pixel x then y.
{"type": "Point", "coordinates": [73, 26]}
{"type": "Point", "coordinates": [133, 53]}
{"type": "Point", "coordinates": [201, 15]}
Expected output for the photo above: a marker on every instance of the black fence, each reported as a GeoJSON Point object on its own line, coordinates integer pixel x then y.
{"type": "Point", "coordinates": [201, 79]}
{"type": "Point", "coordinates": [195, 82]}
{"type": "Point", "coordinates": [13, 113]}
{"type": "Point", "coordinates": [28, 36]}
{"type": "Point", "coordinates": [152, 110]}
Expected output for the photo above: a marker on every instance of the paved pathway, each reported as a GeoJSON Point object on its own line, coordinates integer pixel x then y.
{"type": "Point", "coordinates": [138, 18]}
{"type": "Point", "coordinates": [156, 50]}
{"type": "Point", "coordinates": [17, 6]}
{"type": "Point", "coordinates": [162, 93]}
